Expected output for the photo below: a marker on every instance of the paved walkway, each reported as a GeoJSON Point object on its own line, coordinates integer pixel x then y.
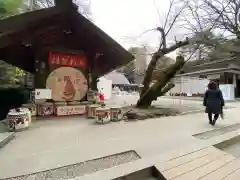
{"type": "Point", "coordinates": [5, 138]}
{"type": "Point", "coordinates": [207, 164]}
{"type": "Point", "coordinates": [59, 142]}
{"type": "Point", "coordinates": [181, 104]}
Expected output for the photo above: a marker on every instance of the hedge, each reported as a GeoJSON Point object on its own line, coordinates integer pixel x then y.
{"type": "Point", "coordinates": [12, 98]}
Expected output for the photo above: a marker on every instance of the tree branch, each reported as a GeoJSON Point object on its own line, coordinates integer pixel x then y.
{"type": "Point", "coordinates": [164, 43]}
{"type": "Point", "coordinates": [155, 58]}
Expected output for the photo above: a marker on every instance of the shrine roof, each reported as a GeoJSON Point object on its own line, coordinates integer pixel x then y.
{"type": "Point", "coordinates": [22, 36]}
{"type": "Point", "coordinates": [201, 66]}
{"type": "Point", "coordinates": [194, 66]}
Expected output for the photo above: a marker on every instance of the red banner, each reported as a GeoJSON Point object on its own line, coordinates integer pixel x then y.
{"type": "Point", "coordinates": [67, 60]}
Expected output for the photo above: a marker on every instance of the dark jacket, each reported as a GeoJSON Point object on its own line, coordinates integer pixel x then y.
{"type": "Point", "coordinates": [213, 100]}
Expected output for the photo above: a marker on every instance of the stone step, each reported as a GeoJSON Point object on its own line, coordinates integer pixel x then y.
{"type": "Point", "coordinates": [5, 138]}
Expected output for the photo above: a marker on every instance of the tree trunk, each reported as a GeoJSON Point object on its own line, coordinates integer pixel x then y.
{"type": "Point", "coordinates": [162, 85]}
{"type": "Point", "coordinates": [152, 65]}
{"type": "Point", "coordinates": [149, 71]}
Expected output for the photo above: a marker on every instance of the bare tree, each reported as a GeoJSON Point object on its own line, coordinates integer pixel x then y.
{"type": "Point", "coordinates": [199, 36]}
{"type": "Point", "coordinates": [148, 94]}
{"type": "Point", "coordinates": [222, 16]}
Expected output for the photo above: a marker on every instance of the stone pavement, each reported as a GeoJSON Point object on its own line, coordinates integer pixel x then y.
{"type": "Point", "coordinates": [200, 161]}
{"type": "Point", "coordinates": [5, 138]}
{"type": "Point", "coordinates": [181, 104]}
{"type": "Point", "coordinates": [59, 142]}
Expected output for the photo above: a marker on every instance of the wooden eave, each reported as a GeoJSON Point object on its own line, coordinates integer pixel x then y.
{"type": "Point", "coordinates": [26, 33]}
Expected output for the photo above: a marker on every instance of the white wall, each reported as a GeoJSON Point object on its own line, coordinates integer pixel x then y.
{"type": "Point", "coordinates": [227, 91]}
{"type": "Point", "coordinates": [106, 85]}
{"type": "Point", "coordinates": [189, 85]}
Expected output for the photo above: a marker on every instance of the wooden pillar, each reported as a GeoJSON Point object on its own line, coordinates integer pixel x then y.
{"type": "Point", "coordinates": [235, 80]}
{"type": "Point", "coordinates": [225, 78]}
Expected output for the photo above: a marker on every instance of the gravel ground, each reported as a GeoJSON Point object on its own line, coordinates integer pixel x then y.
{"type": "Point", "coordinates": [82, 168]}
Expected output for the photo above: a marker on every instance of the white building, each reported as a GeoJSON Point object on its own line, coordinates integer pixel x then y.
{"type": "Point", "coordinates": [140, 54]}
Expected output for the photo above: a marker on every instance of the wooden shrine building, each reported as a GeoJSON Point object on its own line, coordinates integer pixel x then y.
{"type": "Point", "coordinates": [44, 40]}
{"type": "Point", "coordinates": [223, 71]}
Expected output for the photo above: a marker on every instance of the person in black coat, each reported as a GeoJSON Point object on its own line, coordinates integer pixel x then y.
{"type": "Point", "coordinates": [213, 101]}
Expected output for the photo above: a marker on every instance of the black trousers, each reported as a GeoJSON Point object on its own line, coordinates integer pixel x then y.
{"type": "Point", "coordinates": [214, 118]}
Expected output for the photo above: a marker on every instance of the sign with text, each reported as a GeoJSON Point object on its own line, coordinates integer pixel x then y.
{"type": "Point", "coordinates": [70, 110]}
{"type": "Point", "coordinates": [43, 94]}
{"type": "Point", "coordinates": [67, 60]}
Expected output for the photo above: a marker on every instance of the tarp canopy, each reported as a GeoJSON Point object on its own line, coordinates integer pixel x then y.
{"type": "Point", "coordinates": [117, 78]}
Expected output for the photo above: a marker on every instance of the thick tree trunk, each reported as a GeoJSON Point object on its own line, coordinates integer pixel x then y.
{"type": "Point", "coordinates": [166, 89]}
{"type": "Point", "coordinates": [156, 56]}
{"type": "Point", "coordinates": [162, 85]}
{"type": "Point", "coordinates": [149, 71]}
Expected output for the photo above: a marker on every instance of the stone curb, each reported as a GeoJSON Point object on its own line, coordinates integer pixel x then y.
{"type": "Point", "coordinates": [200, 110]}
{"type": "Point", "coordinates": [192, 99]}
{"type": "Point", "coordinates": [7, 139]}
{"type": "Point", "coordinates": [190, 112]}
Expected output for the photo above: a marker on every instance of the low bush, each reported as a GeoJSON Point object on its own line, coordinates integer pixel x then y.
{"type": "Point", "coordinates": [12, 98]}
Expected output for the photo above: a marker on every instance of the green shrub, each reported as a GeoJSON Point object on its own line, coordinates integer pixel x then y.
{"type": "Point", "coordinates": [12, 98]}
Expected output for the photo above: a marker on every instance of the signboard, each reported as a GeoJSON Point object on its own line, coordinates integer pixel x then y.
{"type": "Point", "coordinates": [43, 94]}
{"type": "Point", "coordinates": [70, 110]}
{"type": "Point", "coordinates": [67, 60]}
{"type": "Point", "coordinates": [67, 84]}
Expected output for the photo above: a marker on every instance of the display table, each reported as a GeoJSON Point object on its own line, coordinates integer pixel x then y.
{"type": "Point", "coordinates": [19, 119]}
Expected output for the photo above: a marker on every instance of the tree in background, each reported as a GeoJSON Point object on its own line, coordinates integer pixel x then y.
{"type": "Point", "coordinates": [162, 64]}
{"type": "Point", "coordinates": [135, 70]}
{"type": "Point", "coordinates": [10, 7]}
{"type": "Point", "coordinates": [84, 6]}
{"type": "Point", "coordinates": [200, 36]}
{"type": "Point", "coordinates": [223, 15]}
{"type": "Point", "coordinates": [196, 51]}
{"type": "Point", "coordinates": [10, 74]}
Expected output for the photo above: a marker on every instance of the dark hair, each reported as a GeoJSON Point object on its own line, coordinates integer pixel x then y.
{"type": "Point", "coordinates": [212, 85]}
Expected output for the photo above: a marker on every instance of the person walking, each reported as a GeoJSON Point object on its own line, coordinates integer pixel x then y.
{"type": "Point", "coordinates": [214, 102]}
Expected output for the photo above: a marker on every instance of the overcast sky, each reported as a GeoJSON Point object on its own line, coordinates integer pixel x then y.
{"type": "Point", "coordinates": [122, 19]}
